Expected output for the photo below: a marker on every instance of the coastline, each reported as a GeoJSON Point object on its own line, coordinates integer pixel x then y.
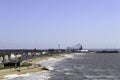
{"type": "Point", "coordinates": [5, 73]}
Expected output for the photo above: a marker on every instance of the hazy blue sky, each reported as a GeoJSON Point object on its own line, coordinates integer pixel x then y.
{"type": "Point", "coordinates": [47, 23]}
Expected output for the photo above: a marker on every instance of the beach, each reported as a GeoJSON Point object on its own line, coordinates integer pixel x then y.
{"type": "Point", "coordinates": [5, 73]}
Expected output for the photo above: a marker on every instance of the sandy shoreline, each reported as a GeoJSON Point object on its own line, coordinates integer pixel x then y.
{"type": "Point", "coordinates": [31, 69]}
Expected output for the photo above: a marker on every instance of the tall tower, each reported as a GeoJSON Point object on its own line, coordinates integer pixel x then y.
{"type": "Point", "coordinates": [58, 46]}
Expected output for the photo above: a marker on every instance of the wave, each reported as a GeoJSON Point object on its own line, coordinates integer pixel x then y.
{"type": "Point", "coordinates": [49, 63]}
{"type": "Point", "coordinates": [103, 76]}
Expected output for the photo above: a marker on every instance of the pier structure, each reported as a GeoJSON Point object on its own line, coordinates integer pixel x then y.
{"type": "Point", "coordinates": [75, 48]}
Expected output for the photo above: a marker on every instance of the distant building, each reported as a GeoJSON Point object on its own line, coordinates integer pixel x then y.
{"type": "Point", "coordinates": [44, 52]}
{"type": "Point", "coordinates": [12, 56]}
{"type": "Point", "coordinates": [24, 56]}
{"type": "Point", "coordinates": [38, 54]}
{"type": "Point", "coordinates": [1, 61]}
{"type": "Point", "coordinates": [29, 54]}
{"type": "Point", "coordinates": [1, 58]}
{"type": "Point", "coordinates": [18, 56]}
{"type": "Point", "coordinates": [6, 58]}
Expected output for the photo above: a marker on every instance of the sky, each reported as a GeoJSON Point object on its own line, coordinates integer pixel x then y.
{"type": "Point", "coordinates": [43, 24]}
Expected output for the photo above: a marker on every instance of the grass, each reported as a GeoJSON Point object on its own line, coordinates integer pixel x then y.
{"type": "Point", "coordinates": [25, 64]}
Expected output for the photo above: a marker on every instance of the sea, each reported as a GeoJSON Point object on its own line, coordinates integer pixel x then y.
{"type": "Point", "coordinates": [77, 66]}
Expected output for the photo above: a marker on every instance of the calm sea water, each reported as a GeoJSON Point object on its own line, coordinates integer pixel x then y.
{"type": "Point", "coordinates": [79, 67]}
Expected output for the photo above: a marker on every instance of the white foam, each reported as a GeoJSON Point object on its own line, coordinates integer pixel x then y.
{"type": "Point", "coordinates": [80, 67]}
{"type": "Point", "coordinates": [69, 55]}
{"type": "Point", "coordinates": [43, 75]}
{"type": "Point", "coordinates": [80, 53]}
{"type": "Point", "coordinates": [49, 63]}
{"type": "Point", "coordinates": [72, 55]}
{"type": "Point", "coordinates": [98, 70]}
{"type": "Point", "coordinates": [15, 75]}
{"type": "Point", "coordinates": [67, 69]}
{"type": "Point", "coordinates": [68, 73]}
{"type": "Point", "coordinates": [109, 77]}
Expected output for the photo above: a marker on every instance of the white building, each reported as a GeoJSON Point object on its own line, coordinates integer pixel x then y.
{"type": "Point", "coordinates": [6, 58]}
{"type": "Point", "coordinates": [29, 54]}
{"type": "Point", "coordinates": [18, 56]}
{"type": "Point", "coordinates": [44, 52]}
{"type": "Point", "coordinates": [1, 58]}
{"type": "Point", "coordinates": [12, 56]}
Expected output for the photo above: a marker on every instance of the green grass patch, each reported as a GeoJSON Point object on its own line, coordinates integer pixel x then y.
{"type": "Point", "coordinates": [25, 64]}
